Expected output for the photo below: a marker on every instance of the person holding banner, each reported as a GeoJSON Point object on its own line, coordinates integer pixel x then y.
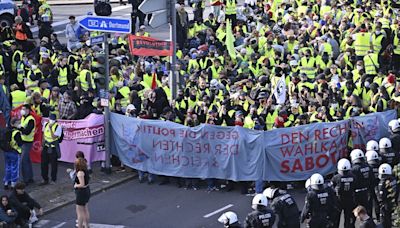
{"type": "Point", "coordinates": [52, 132]}
{"type": "Point", "coordinates": [27, 129]}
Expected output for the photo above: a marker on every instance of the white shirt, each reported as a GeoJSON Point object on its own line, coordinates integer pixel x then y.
{"type": "Point", "coordinates": [56, 133]}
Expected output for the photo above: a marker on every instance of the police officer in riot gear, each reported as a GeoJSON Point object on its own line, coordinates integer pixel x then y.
{"type": "Point", "coordinates": [364, 179]}
{"type": "Point", "coordinates": [318, 204]}
{"type": "Point", "coordinates": [387, 153]}
{"type": "Point", "coordinates": [262, 216]}
{"type": "Point", "coordinates": [230, 220]}
{"type": "Point", "coordinates": [386, 192]}
{"type": "Point", "coordinates": [343, 183]}
{"type": "Point", "coordinates": [394, 128]}
{"type": "Point", "coordinates": [374, 162]}
{"type": "Point", "coordinates": [283, 204]}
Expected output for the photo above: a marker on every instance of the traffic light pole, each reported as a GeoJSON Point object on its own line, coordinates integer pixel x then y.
{"type": "Point", "coordinates": [173, 76]}
{"type": "Point", "coordinates": [107, 108]}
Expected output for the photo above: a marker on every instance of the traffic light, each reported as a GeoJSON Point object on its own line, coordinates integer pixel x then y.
{"type": "Point", "coordinates": [99, 70]}
{"type": "Point", "coordinates": [102, 8]}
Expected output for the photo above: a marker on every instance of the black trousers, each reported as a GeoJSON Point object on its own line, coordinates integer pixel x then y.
{"type": "Point", "coordinates": [232, 17]}
{"type": "Point", "coordinates": [49, 159]}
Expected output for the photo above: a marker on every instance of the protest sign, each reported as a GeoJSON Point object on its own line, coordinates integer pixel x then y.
{"type": "Point", "coordinates": [85, 135]}
{"type": "Point", "coordinates": [298, 152]}
{"type": "Point", "coordinates": [373, 126]}
{"type": "Point", "coordinates": [146, 46]}
{"type": "Point", "coordinates": [171, 149]}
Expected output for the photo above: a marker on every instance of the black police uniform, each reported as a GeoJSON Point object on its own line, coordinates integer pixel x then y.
{"type": "Point", "coordinates": [317, 207]}
{"type": "Point", "coordinates": [286, 208]}
{"type": "Point", "coordinates": [335, 214]}
{"type": "Point", "coordinates": [344, 188]}
{"type": "Point", "coordinates": [364, 180]}
{"type": "Point", "coordinates": [375, 167]}
{"type": "Point", "coordinates": [260, 218]}
{"type": "Point", "coordinates": [386, 192]}
{"type": "Point", "coordinates": [395, 139]}
{"type": "Point", "coordinates": [390, 156]}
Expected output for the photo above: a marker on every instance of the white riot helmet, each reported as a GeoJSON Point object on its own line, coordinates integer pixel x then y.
{"type": "Point", "coordinates": [308, 183]}
{"type": "Point", "coordinates": [384, 169]}
{"type": "Point", "coordinates": [228, 218]}
{"type": "Point", "coordinates": [316, 180]}
{"type": "Point", "coordinates": [270, 192]}
{"type": "Point", "coordinates": [385, 143]}
{"type": "Point", "coordinates": [394, 125]}
{"type": "Point", "coordinates": [343, 165]}
{"type": "Point", "coordinates": [372, 145]}
{"type": "Point", "coordinates": [259, 199]}
{"type": "Point", "coordinates": [356, 154]}
{"type": "Point", "coordinates": [372, 156]}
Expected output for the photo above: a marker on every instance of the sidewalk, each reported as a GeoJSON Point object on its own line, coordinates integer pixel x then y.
{"type": "Point", "coordinates": [53, 197]}
{"type": "Point", "coordinates": [72, 2]}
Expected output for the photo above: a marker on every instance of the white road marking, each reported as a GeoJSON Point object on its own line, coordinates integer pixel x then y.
{"type": "Point", "coordinates": [59, 225]}
{"type": "Point", "coordinates": [43, 223]}
{"type": "Point", "coordinates": [58, 23]}
{"type": "Point", "coordinates": [218, 211]}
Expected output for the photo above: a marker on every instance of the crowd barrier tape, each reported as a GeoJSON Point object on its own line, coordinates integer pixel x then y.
{"type": "Point", "coordinates": [239, 154]}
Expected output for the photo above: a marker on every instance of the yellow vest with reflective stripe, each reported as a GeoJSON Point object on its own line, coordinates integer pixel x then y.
{"type": "Point", "coordinates": [47, 133]}
{"type": "Point", "coordinates": [14, 143]}
{"type": "Point", "coordinates": [215, 71]}
{"type": "Point", "coordinates": [30, 82]}
{"type": "Point", "coordinates": [24, 124]}
{"type": "Point", "coordinates": [62, 76]}
{"type": "Point", "coordinates": [377, 42]}
{"type": "Point", "coordinates": [20, 72]}
{"type": "Point", "coordinates": [362, 43]}
{"type": "Point", "coordinates": [18, 98]}
{"type": "Point", "coordinates": [371, 63]}
{"type": "Point", "coordinates": [396, 48]}
{"type": "Point", "coordinates": [82, 79]}
{"type": "Point", "coordinates": [248, 122]}
{"type": "Point", "coordinates": [14, 63]}
{"type": "Point", "coordinates": [308, 67]}
{"type": "Point", "coordinates": [124, 91]}
{"type": "Point", "coordinates": [230, 7]}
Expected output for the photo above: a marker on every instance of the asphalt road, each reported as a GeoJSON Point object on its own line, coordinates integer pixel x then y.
{"type": "Point", "coordinates": [153, 206]}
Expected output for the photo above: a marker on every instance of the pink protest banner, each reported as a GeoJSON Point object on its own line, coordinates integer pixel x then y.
{"type": "Point", "coordinates": [85, 135]}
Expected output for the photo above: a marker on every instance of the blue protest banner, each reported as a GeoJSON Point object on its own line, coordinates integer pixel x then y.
{"type": "Point", "coordinates": [373, 126]}
{"type": "Point", "coordinates": [298, 152]}
{"type": "Point", "coordinates": [206, 151]}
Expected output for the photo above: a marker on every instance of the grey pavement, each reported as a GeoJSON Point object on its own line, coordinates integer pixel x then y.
{"type": "Point", "coordinates": [72, 2]}
{"type": "Point", "coordinates": [52, 197]}
{"type": "Point", "coordinates": [135, 205]}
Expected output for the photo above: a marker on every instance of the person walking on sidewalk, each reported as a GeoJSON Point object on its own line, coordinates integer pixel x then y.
{"type": "Point", "coordinates": [52, 132]}
{"type": "Point", "coordinates": [82, 192]}
{"type": "Point", "coordinates": [27, 128]}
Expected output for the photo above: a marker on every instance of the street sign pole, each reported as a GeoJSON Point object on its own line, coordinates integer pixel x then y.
{"type": "Point", "coordinates": [173, 76]}
{"type": "Point", "coordinates": [107, 109]}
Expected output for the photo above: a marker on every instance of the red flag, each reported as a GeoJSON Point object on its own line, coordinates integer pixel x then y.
{"type": "Point", "coordinates": [154, 81]}
{"type": "Point", "coordinates": [36, 150]}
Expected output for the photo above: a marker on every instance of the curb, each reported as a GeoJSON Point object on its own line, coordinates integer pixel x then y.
{"type": "Point", "coordinates": [93, 193]}
{"type": "Point", "coordinates": [66, 3]}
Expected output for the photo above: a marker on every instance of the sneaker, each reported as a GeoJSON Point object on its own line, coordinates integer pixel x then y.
{"type": "Point", "coordinates": [53, 183]}
{"type": "Point", "coordinates": [33, 217]}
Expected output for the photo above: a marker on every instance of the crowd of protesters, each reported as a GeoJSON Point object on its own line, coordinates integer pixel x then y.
{"type": "Point", "coordinates": [338, 59]}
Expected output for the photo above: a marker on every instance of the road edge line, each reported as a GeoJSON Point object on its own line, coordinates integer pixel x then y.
{"type": "Point", "coordinates": [218, 210]}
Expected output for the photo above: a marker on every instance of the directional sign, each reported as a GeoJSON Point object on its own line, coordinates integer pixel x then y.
{"type": "Point", "coordinates": [106, 24]}
{"type": "Point", "coordinates": [159, 18]}
{"type": "Point", "coordinates": [96, 40]}
{"type": "Point", "coordinates": [149, 6]}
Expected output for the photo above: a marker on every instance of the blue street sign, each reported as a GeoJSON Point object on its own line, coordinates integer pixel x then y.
{"type": "Point", "coordinates": [96, 40]}
{"type": "Point", "coordinates": [106, 24]}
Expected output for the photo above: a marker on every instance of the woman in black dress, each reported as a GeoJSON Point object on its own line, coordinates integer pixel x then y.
{"type": "Point", "coordinates": [82, 192]}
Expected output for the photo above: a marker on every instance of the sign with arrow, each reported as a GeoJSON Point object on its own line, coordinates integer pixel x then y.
{"type": "Point", "coordinates": [106, 24]}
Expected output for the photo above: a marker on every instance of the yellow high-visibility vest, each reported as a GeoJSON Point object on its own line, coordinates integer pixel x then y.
{"type": "Point", "coordinates": [362, 43]}
{"type": "Point", "coordinates": [47, 133]}
{"type": "Point", "coordinates": [14, 143]}
{"type": "Point", "coordinates": [24, 124]}
{"type": "Point", "coordinates": [18, 98]}
{"type": "Point", "coordinates": [230, 7]}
